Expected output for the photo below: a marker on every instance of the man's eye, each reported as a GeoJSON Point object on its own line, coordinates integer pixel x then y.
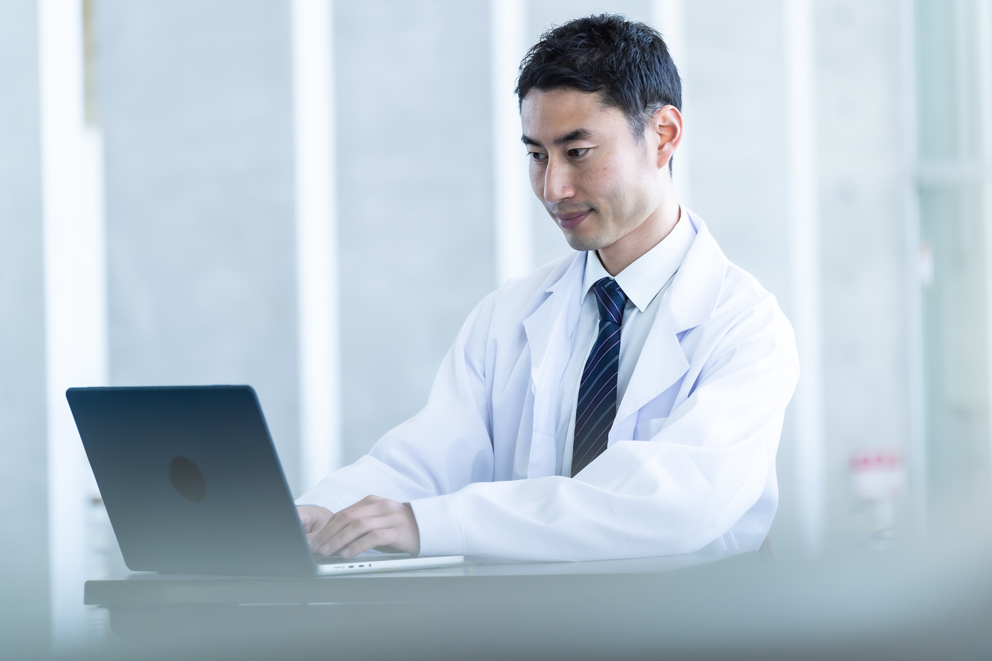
{"type": "Point", "coordinates": [538, 156]}
{"type": "Point", "coordinates": [577, 153]}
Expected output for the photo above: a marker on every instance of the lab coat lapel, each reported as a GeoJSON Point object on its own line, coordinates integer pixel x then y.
{"type": "Point", "coordinates": [549, 330]}
{"type": "Point", "coordinates": [688, 302]}
{"type": "Point", "coordinates": [660, 364]}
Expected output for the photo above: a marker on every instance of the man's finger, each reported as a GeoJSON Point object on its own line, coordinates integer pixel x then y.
{"type": "Point", "coordinates": [340, 520]}
{"type": "Point", "coordinates": [379, 537]}
{"type": "Point", "coordinates": [332, 528]}
{"type": "Point", "coordinates": [308, 520]}
{"type": "Point", "coordinates": [354, 531]}
{"type": "Point", "coordinates": [312, 518]}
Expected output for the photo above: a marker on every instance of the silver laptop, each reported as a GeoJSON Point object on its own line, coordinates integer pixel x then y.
{"type": "Point", "coordinates": [193, 485]}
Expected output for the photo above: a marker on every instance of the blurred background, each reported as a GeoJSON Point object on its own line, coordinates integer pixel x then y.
{"type": "Point", "coordinates": [309, 196]}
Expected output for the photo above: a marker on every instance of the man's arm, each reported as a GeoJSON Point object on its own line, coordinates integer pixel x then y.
{"type": "Point", "coordinates": [673, 494]}
{"type": "Point", "coordinates": [453, 448]}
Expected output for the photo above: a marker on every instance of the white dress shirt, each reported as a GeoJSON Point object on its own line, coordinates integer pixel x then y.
{"type": "Point", "coordinates": [643, 281]}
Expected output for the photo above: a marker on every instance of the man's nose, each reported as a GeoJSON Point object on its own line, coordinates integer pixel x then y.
{"type": "Point", "coordinates": [557, 182]}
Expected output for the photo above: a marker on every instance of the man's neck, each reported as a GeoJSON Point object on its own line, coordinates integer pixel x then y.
{"type": "Point", "coordinates": [625, 251]}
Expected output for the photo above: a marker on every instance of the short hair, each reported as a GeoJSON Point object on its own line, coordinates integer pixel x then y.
{"type": "Point", "coordinates": [626, 61]}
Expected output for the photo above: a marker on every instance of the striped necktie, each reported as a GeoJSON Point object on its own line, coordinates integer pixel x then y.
{"type": "Point", "coordinates": [597, 403]}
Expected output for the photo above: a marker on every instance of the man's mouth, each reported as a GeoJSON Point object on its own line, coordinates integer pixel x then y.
{"type": "Point", "coordinates": [570, 220]}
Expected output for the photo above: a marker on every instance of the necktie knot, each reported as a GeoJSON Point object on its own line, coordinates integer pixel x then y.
{"type": "Point", "coordinates": [611, 300]}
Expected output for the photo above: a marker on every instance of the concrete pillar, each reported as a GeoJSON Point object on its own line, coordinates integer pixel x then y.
{"type": "Point", "coordinates": [24, 609]}
{"type": "Point", "coordinates": [415, 214]}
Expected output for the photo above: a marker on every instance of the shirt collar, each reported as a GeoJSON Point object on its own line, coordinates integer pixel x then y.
{"type": "Point", "coordinates": [643, 279]}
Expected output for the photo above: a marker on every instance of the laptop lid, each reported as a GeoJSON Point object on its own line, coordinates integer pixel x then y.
{"type": "Point", "coordinates": [191, 480]}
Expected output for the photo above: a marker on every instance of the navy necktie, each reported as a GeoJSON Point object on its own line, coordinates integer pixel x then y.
{"type": "Point", "coordinates": [597, 403]}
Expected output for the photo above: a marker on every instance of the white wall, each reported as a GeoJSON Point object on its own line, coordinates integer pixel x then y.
{"type": "Point", "coordinates": [864, 166]}
{"type": "Point", "coordinates": [197, 112]}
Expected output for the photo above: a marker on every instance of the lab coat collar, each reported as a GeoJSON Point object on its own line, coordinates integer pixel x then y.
{"type": "Point", "coordinates": [643, 279]}
{"type": "Point", "coordinates": [696, 289]}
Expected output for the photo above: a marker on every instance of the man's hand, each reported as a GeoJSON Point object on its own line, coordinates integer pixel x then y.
{"type": "Point", "coordinates": [313, 518]}
{"type": "Point", "coordinates": [371, 522]}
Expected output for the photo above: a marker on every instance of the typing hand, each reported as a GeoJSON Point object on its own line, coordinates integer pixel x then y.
{"type": "Point", "coordinates": [313, 518]}
{"type": "Point", "coordinates": [371, 522]}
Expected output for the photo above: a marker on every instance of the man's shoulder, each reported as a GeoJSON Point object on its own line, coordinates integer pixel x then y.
{"type": "Point", "coordinates": [740, 288]}
{"type": "Point", "coordinates": [712, 287]}
{"type": "Point", "coordinates": [748, 312]}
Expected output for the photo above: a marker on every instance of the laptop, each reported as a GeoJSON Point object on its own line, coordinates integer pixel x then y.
{"type": "Point", "coordinates": [192, 484]}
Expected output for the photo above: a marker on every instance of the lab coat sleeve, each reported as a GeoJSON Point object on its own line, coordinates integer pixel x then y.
{"type": "Point", "coordinates": [441, 449]}
{"type": "Point", "coordinates": [673, 494]}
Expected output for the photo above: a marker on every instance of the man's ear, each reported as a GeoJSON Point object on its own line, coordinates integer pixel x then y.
{"type": "Point", "coordinates": [666, 126]}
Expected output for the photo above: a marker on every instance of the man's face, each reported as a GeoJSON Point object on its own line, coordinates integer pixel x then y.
{"type": "Point", "coordinates": [593, 177]}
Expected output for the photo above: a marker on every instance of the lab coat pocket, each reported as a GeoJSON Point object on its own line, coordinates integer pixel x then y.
{"type": "Point", "coordinates": [652, 416]}
{"type": "Point", "coordinates": [645, 430]}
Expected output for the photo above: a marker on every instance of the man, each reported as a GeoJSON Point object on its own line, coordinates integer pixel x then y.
{"type": "Point", "coordinates": [625, 401]}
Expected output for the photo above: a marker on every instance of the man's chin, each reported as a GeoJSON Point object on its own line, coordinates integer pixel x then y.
{"type": "Point", "coordinates": [583, 242]}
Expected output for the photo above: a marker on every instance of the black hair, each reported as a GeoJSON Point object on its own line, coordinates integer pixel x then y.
{"type": "Point", "coordinates": [626, 61]}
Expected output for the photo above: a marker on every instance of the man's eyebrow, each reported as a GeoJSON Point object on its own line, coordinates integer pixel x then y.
{"type": "Point", "coordinates": [577, 134]}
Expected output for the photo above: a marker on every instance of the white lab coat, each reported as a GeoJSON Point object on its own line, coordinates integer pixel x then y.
{"type": "Point", "coordinates": [691, 459]}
